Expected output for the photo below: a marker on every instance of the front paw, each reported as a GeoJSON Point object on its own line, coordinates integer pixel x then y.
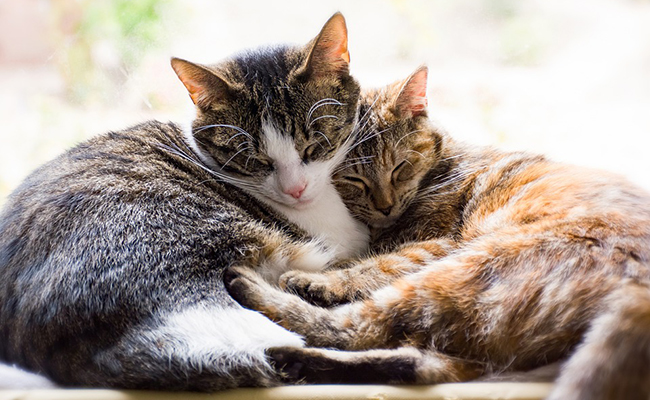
{"type": "Point", "coordinates": [316, 288]}
{"type": "Point", "coordinates": [245, 286]}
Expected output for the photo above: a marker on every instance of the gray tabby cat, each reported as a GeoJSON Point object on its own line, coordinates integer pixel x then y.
{"type": "Point", "coordinates": [111, 255]}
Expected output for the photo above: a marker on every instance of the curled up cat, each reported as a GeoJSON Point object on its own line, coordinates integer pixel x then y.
{"type": "Point", "coordinates": [486, 262]}
{"type": "Point", "coordinates": [112, 255]}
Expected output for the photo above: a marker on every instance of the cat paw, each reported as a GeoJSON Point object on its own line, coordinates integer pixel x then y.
{"type": "Point", "coordinates": [313, 287]}
{"type": "Point", "coordinates": [245, 286]}
{"type": "Point", "coordinates": [288, 364]}
{"type": "Point", "coordinates": [301, 365]}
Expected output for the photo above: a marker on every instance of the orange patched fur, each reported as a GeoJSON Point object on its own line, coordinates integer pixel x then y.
{"type": "Point", "coordinates": [486, 262]}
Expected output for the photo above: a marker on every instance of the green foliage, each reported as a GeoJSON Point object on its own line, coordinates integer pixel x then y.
{"type": "Point", "coordinates": [133, 26]}
{"type": "Point", "coordinates": [123, 30]}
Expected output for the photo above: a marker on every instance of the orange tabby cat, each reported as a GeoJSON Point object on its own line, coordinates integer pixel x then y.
{"type": "Point", "coordinates": [509, 262]}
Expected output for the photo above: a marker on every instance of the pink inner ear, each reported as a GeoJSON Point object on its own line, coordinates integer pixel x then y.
{"type": "Point", "coordinates": [195, 90]}
{"type": "Point", "coordinates": [412, 101]}
{"type": "Point", "coordinates": [335, 39]}
{"type": "Point", "coordinates": [330, 52]}
{"type": "Point", "coordinates": [338, 55]}
{"type": "Point", "coordinates": [341, 52]}
{"type": "Point", "coordinates": [186, 74]}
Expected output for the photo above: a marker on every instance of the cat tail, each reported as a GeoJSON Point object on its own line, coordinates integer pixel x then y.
{"type": "Point", "coordinates": [613, 362]}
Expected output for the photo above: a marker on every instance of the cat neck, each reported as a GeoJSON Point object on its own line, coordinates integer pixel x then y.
{"type": "Point", "coordinates": [328, 219]}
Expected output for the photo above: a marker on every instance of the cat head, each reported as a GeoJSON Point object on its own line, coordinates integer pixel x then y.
{"type": "Point", "coordinates": [276, 121]}
{"type": "Point", "coordinates": [398, 145]}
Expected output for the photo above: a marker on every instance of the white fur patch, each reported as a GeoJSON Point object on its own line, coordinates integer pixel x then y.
{"type": "Point", "coordinates": [386, 297]}
{"type": "Point", "coordinates": [279, 147]}
{"type": "Point", "coordinates": [329, 220]}
{"type": "Point", "coordinates": [311, 256]}
{"type": "Point", "coordinates": [290, 171]}
{"type": "Point", "coordinates": [189, 139]}
{"type": "Point", "coordinates": [237, 336]}
{"type": "Point", "coordinates": [15, 378]}
{"type": "Point", "coordinates": [320, 211]}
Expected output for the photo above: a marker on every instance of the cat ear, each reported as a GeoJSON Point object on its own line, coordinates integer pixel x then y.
{"type": "Point", "coordinates": [412, 98]}
{"type": "Point", "coordinates": [204, 86]}
{"type": "Point", "coordinates": [328, 52]}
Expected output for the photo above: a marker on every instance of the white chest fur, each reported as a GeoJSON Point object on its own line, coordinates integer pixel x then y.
{"type": "Point", "coordinates": [329, 220]}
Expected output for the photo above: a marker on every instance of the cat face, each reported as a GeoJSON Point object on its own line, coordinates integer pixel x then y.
{"type": "Point", "coordinates": [382, 174]}
{"type": "Point", "coordinates": [276, 122]}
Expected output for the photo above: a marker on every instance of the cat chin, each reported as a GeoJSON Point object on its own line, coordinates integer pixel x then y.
{"type": "Point", "coordinates": [382, 223]}
{"type": "Point", "coordinates": [303, 204]}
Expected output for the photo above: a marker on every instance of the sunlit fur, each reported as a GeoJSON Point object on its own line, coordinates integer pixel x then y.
{"type": "Point", "coordinates": [502, 262]}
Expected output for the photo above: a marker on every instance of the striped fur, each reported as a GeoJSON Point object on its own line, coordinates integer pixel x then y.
{"type": "Point", "coordinates": [112, 254]}
{"type": "Point", "coordinates": [502, 262]}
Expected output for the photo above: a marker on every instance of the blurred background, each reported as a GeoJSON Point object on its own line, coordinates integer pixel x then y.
{"type": "Point", "coordinates": [567, 78]}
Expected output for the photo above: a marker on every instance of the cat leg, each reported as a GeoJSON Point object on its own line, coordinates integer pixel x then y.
{"type": "Point", "coordinates": [344, 285]}
{"type": "Point", "coordinates": [404, 365]}
{"type": "Point", "coordinates": [613, 362]}
{"type": "Point", "coordinates": [250, 289]}
{"type": "Point", "coordinates": [278, 255]}
{"type": "Point", "coordinates": [403, 313]}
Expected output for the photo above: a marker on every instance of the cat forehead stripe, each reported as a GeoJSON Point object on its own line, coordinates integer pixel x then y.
{"type": "Point", "coordinates": [278, 146]}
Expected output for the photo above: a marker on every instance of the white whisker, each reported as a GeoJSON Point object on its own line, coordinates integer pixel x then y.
{"type": "Point", "coordinates": [174, 149]}
{"type": "Point", "coordinates": [235, 135]}
{"type": "Point", "coordinates": [320, 103]}
{"type": "Point", "coordinates": [416, 152]}
{"type": "Point", "coordinates": [321, 117]}
{"type": "Point", "coordinates": [235, 155]}
{"type": "Point", "coordinates": [347, 165]}
{"type": "Point", "coordinates": [367, 114]}
{"type": "Point", "coordinates": [324, 136]}
{"type": "Point", "coordinates": [407, 134]}
{"type": "Point", "coordinates": [429, 192]}
{"type": "Point", "coordinates": [369, 137]}
{"type": "Point", "coordinates": [238, 129]}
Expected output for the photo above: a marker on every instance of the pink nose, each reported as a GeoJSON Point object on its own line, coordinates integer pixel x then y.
{"type": "Point", "coordinates": [296, 191]}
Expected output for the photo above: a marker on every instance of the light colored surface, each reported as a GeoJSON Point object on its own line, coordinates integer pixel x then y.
{"type": "Point", "coordinates": [455, 391]}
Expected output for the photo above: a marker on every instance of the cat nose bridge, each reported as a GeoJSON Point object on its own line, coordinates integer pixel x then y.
{"type": "Point", "coordinates": [383, 202]}
{"type": "Point", "coordinates": [291, 179]}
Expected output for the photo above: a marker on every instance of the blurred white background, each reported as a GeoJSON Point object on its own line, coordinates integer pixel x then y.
{"type": "Point", "coordinates": [567, 78]}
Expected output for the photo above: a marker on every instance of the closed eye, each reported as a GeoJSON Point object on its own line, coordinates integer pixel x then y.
{"type": "Point", "coordinates": [403, 172]}
{"type": "Point", "coordinates": [319, 149]}
{"type": "Point", "coordinates": [258, 165]}
{"type": "Point", "coordinates": [310, 150]}
{"type": "Point", "coordinates": [356, 181]}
